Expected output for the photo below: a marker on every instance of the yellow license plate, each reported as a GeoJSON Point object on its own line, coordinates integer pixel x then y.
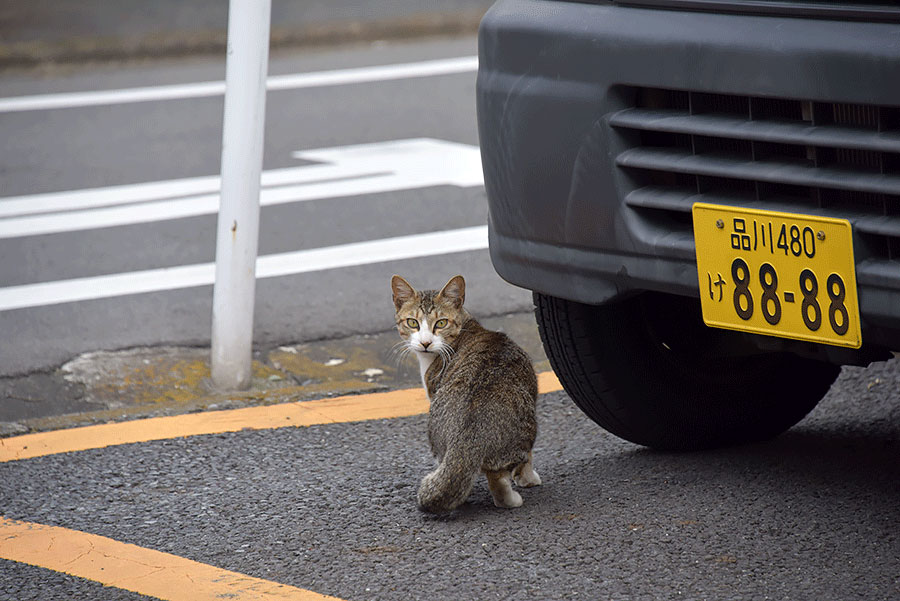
{"type": "Point", "coordinates": [778, 274]}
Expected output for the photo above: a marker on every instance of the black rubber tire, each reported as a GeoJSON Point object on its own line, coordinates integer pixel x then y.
{"type": "Point", "coordinates": [648, 370]}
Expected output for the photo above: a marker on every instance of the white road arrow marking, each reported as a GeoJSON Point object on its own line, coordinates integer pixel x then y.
{"type": "Point", "coordinates": [267, 266]}
{"type": "Point", "coordinates": [342, 171]}
{"type": "Point", "coordinates": [348, 171]}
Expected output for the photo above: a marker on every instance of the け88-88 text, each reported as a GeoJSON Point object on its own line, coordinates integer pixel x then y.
{"type": "Point", "coordinates": [770, 304]}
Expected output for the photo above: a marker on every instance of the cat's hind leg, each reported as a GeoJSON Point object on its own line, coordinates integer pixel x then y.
{"type": "Point", "coordinates": [524, 474]}
{"type": "Point", "coordinates": [500, 486]}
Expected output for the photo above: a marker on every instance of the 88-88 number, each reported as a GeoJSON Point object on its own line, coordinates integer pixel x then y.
{"type": "Point", "coordinates": [770, 303]}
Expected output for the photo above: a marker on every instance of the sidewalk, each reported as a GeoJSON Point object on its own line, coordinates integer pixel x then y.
{"type": "Point", "coordinates": [150, 382]}
{"type": "Point", "coordinates": [41, 32]}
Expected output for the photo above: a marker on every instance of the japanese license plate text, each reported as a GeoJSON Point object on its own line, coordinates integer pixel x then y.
{"type": "Point", "coordinates": [779, 274]}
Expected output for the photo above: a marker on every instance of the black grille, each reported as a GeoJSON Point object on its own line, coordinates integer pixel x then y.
{"type": "Point", "coordinates": [790, 155]}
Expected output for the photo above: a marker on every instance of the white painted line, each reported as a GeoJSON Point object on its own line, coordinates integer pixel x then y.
{"type": "Point", "coordinates": [267, 266]}
{"type": "Point", "coordinates": [73, 200]}
{"type": "Point", "coordinates": [88, 198]}
{"type": "Point", "coordinates": [347, 171]}
{"type": "Point", "coordinates": [337, 77]}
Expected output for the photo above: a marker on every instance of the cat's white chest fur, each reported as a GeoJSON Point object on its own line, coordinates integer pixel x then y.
{"type": "Point", "coordinates": [425, 361]}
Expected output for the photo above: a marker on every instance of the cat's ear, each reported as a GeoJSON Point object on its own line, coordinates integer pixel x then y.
{"type": "Point", "coordinates": [402, 291]}
{"type": "Point", "coordinates": [454, 291]}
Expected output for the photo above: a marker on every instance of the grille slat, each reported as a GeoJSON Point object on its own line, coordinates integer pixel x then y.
{"type": "Point", "coordinates": [681, 201]}
{"type": "Point", "coordinates": [780, 154]}
{"type": "Point", "coordinates": [774, 172]}
{"type": "Point", "coordinates": [781, 132]}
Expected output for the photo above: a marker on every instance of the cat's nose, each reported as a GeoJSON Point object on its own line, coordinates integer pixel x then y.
{"type": "Point", "coordinates": [425, 345]}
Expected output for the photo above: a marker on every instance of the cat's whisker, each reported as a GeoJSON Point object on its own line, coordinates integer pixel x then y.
{"type": "Point", "coordinates": [399, 351]}
{"type": "Point", "coordinates": [446, 354]}
{"type": "Point", "coordinates": [402, 354]}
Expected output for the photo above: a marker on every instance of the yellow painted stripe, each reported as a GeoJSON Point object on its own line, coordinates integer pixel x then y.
{"type": "Point", "coordinates": [548, 382]}
{"type": "Point", "coordinates": [136, 569]}
{"type": "Point", "coordinates": [352, 408]}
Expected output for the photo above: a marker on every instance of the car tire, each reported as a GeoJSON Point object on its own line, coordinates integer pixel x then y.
{"type": "Point", "coordinates": [648, 370]}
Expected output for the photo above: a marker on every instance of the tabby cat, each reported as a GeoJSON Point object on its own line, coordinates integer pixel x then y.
{"type": "Point", "coordinates": [482, 389]}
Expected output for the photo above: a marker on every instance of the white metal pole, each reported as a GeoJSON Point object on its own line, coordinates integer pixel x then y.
{"type": "Point", "coordinates": [238, 226]}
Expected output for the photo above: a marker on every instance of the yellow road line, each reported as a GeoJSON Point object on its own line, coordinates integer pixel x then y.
{"type": "Point", "coordinates": [133, 568]}
{"type": "Point", "coordinates": [353, 408]}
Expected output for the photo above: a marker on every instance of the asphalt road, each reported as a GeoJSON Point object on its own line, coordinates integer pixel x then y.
{"type": "Point", "coordinates": [83, 147]}
{"type": "Point", "coordinates": [812, 515]}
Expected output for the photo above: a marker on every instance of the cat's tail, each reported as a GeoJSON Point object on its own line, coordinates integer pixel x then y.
{"type": "Point", "coordinates": [447, 487]}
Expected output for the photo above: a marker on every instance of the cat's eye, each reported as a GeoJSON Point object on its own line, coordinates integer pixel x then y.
{"type": "Point", "coordinates": [412, 323]}
{"type": "Point", "coordinates": [441, 323]}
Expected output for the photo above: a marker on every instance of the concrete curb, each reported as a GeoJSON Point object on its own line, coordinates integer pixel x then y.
{"type": "Point", "coordinates": [179, 44]}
